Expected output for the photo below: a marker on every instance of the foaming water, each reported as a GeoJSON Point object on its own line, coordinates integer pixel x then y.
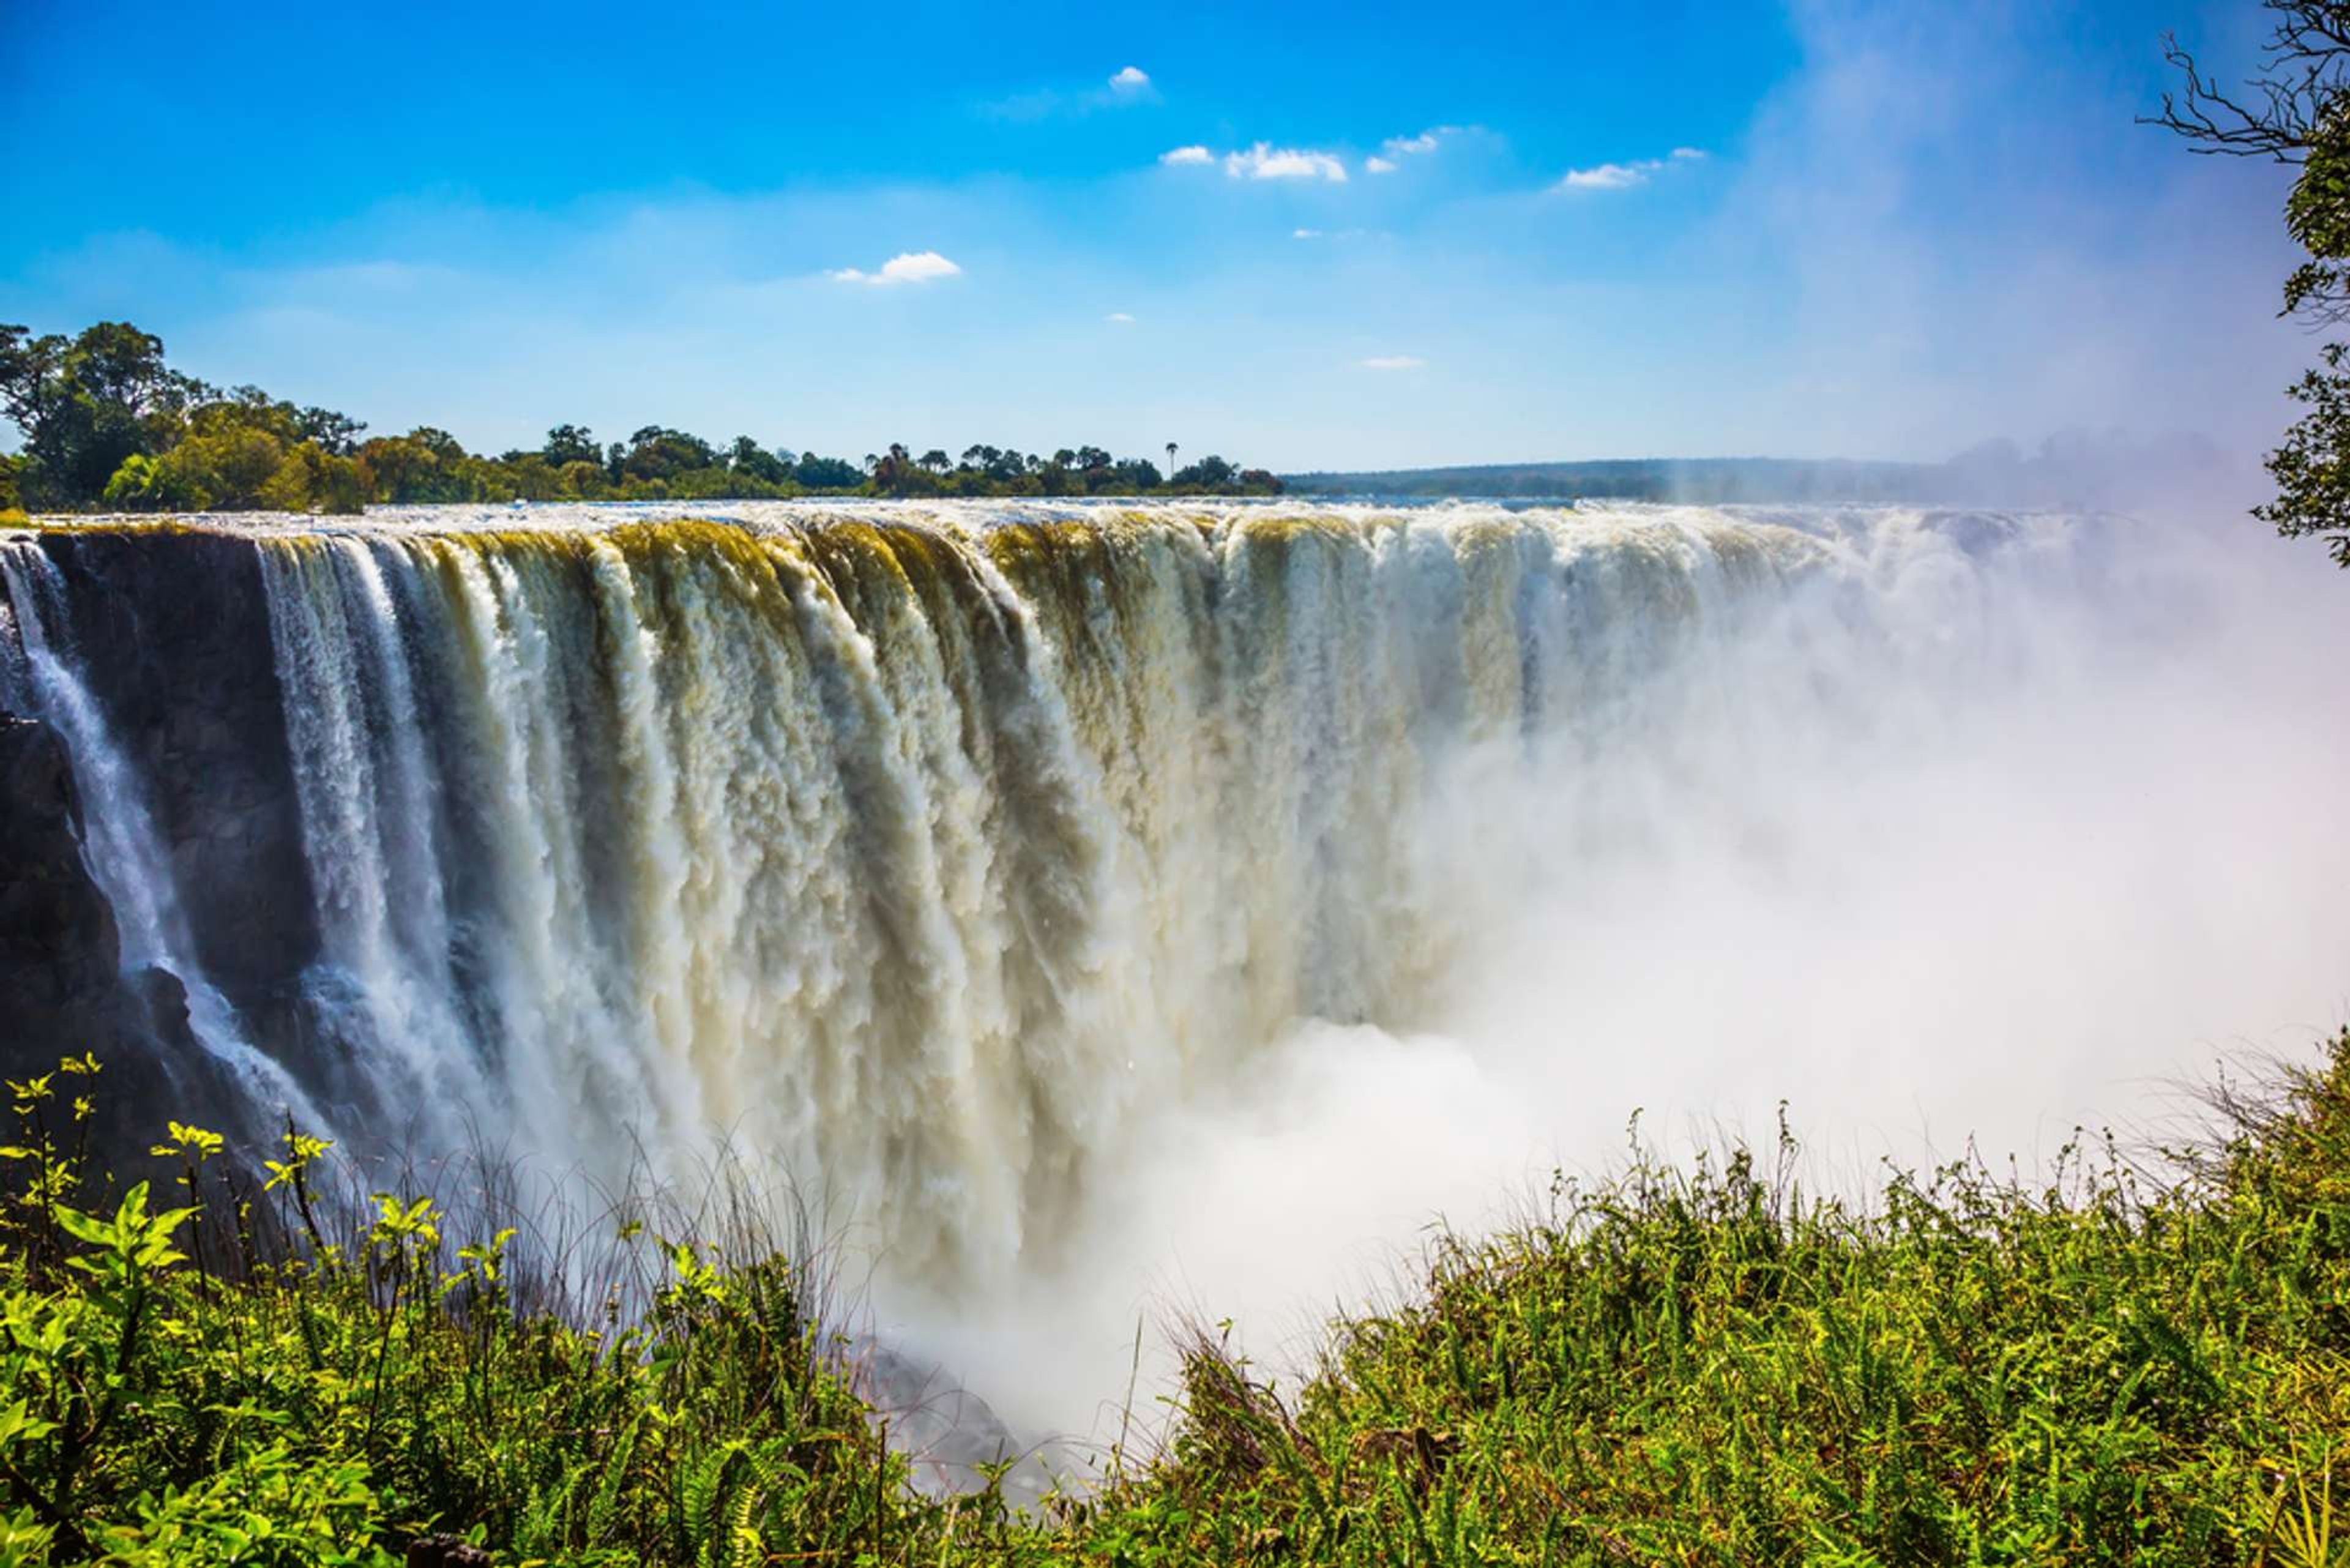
{"type": "Point", "coordinates": [1112, 906]}
{"type": "Point", "coordinates": [914, 853]}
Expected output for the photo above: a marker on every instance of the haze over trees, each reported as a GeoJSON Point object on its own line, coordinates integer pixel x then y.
{"type": "Point", "coordinates": [2296, 111]}
{"type": "Point", "coordinates": [108, 424]}
{"type": "Point", "coordinates": [2072, 469]}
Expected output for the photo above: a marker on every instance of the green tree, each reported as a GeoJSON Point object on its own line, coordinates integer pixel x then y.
{"type": "Point", "coordinates": [567, 444]}
{"type": "Point", "coordinates": [895, 472]}
{"type": "Point", "coordinates": [816, 472]}
{"type": "Point", "coordinates": [2295, 112]}
{"type": "Point", "coordinates": [1210, 472]}
{"type": "Point", "coordinates": [656, 452]}
{"type": "Point", "coordinates": [583, 479]}
{"type": "Point", "coordinates": [229, 469]}
{"type": "Point", "coordinates": [753, 462]}
{"type": "Point", "coordinates": [416, 468]}
{"type": "Point", "coordinates": [334, 434]}
{"type": "Point", "coordinates": [310, 478]}
{"type": "Point", "coordinates": [82, 403]}
{"type": "Point", "coordinates": [135, 486]}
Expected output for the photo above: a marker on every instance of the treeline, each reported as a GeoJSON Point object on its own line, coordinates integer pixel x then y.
{"type": "Point", "coordinates": [108, 424]}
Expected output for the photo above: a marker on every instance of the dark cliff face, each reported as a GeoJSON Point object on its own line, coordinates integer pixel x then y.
{"type": "Point", "coordinates": [171, 631]}
{"type": "Point", "coordinates": [60, 957]}
{"type": "Point", "coordinates": [63, 991]}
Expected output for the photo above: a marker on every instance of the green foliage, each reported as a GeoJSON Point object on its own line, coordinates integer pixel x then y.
{"type": "Point", "coordinates": [1709, 1366]}
{"type": "Point", "coordinates": [2312, 469]}
{"type": "Point", "coordinates": [815, 472]}
{"type": "Point", "coordinates": [107, 422]}
{"type": "Point", "coordinates": [2297, 112]}
{"type": "Point", "coordinates": [1702, 1365]}
{"type": "Point", "coordinates": [327, 1402]}
{"type": "Point", "coordinates": [83, 404]}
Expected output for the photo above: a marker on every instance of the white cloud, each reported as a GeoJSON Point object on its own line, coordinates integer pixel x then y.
{"type": "Point", "coordinates": [1609, 176]}
{"type": "Point", "coordinates": [1130, 87]}
{"type": "Point", "coordinates": [910, 266]}
{"type": "Point", "coordinates": [1187, 155]}
{"type": "Point", "coordinates": [1267, 161]}
{"type": "Point", "coordinates": [1396, 148]}
{"type": "Point", "coordinates": [1120, 316]}
{"type": "Point", "coordinates": [1391, 362]}
{"type": "Point", "coordinates": [1305, 234]}
{"type": "Point", "coordinates": [1624, 176]}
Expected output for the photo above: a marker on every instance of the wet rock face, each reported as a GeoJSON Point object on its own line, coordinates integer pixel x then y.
{"type": "Point", "coordinates": [60, 956]}
{"type": "Point", "coordinates": [173, 636]}
{"type": "Point", "coordinates": [63, 990]}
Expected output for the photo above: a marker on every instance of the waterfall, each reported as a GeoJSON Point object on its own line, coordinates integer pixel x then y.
{"type": "Point", "coordinates": [919, 852]}
{"type": "Point", "coordinates": [124, 853]}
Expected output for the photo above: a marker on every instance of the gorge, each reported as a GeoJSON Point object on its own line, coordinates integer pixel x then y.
{"type": "Point", "coordinates": [951, 859]}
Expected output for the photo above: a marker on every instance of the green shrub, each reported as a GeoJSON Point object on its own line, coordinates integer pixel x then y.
{"type": "Point", "coordinates": [1702, 1364]}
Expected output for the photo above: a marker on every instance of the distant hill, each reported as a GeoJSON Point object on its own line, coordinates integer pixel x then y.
{"type": "Point", "coordinates": [2073, 469]}
{"type": "Point", "coordinates": [1703, 479]}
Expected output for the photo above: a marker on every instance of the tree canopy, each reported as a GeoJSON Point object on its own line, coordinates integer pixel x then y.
{"type": "Point", "coordinates": [108, 423]}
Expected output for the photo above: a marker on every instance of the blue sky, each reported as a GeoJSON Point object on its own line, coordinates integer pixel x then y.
{"type": "Point", "coordinates": [1360, 236]}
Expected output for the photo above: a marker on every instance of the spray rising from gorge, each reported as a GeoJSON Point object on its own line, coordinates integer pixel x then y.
{"type": "Point", "coordinates": [983, 866]}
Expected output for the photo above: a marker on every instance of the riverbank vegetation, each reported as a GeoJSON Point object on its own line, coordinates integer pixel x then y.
{"type": "Point", "coordinates": [1705, 1364]}
{"type": "Point", "coordinates": [109, 425]}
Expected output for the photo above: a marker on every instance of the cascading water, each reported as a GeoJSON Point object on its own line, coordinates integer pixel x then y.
{"type": "Point", "coordinates": [910, 854]}
{"type": "Point", "coordinates": [121, 846]}
{"type": "Point", "coordinates": [912, 851]}
{"type": "Point", "coordinates": [1106, 904]}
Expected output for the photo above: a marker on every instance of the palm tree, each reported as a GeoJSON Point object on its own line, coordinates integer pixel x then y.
{"type": "Point", "coordinates": [1170, 459]}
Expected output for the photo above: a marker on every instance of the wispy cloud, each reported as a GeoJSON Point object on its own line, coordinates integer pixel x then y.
{"type": "Point", "coordinates": [1396, 148]}
{"type": "Point", "coordinates": [1624, 176]}
{"type": "Point", "coordinates": [1130, 85]}
{"type": "Point", "coordinates": [1391, 362]}
{"type": "Point", "coordinates": [1182, 155]}
{"type": "Point", "coordinates": [1120, 317]}
{"type": "Point", "coordinates": [1305, 234]}
{"type": "Point", "coordinates": [1267, 161]}
{"type": "Point", "coordinates": [910, 266]}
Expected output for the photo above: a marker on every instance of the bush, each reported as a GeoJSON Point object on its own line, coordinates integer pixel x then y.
{"type": "Point", "coordinates": [1702, 1365]}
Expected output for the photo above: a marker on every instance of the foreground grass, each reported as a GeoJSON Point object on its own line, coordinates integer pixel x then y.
{"type": "Point", "coordinates": [1700, 1365]}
